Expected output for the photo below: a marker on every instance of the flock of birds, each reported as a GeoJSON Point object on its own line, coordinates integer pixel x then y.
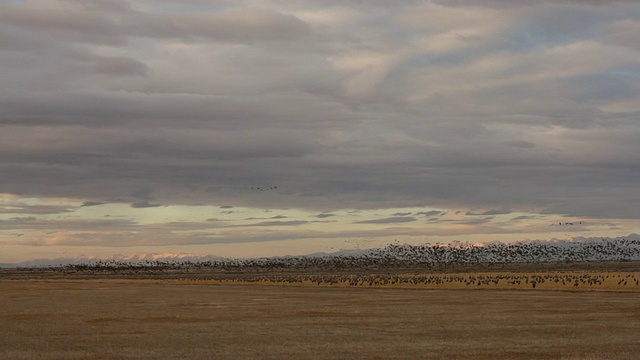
{"type": "Point", "coordinates": [436, 265]}
{"type": "Point", "coordinates": [468, 280]}
{"type": "Point", "coordinates": [433, 256]}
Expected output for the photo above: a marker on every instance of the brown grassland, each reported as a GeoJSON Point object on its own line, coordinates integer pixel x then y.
{"type": "Point", "coordinates": [401, 315]}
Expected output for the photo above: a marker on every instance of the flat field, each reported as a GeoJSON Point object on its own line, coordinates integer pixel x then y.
{"type": "Point", "coordinates": [137, 318]}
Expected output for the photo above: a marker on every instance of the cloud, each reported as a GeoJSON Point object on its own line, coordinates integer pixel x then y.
{"type": "Point", "coordinates": [64, 19]}
{"type": "Point", "coordinates": [34, 209]}
{"type": "Point", "coordinates": [521, 144]}
{"type": "Point", "coordinates": [401, 214]}
{"type": "Point", "coordinates": [63, 225]}
{"type": "Point", "coordinates": [389, 220]}
{"type": "Point", "coordinates": [240, 25]}
{"type": "Point", "coordinates": [92, 203]}
{"type": "Point", "coordinates": [496, 105]}
{"type": "Point", "coordinates": [272, 217]}
{"type": "Point", "coordinates": [512, 3]}
{"type": "Point", "coordinates": [523, 217]}
{"type": "Point", "coordinates": [143, 204]}
{"type": "Point", "coordinates": [278, 223]}
{"type": "Point", "coordinates": [478, 221]}
{"type": "Point", "coordinates": [101, 25]}
{"type": "Point", "coordinates": [116, 66]}
{"type": "Point", "coordinates": [502, 211]}
{"type": "Point", "coordinates": [324, 215]}
{"type": "Point", "coordinates": [430, 213]}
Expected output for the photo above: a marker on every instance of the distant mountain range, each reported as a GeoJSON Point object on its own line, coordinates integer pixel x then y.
{"type": "Point", "coordinates": [136, 258]}
{"type": "Point", "coordinates": [577, 249]}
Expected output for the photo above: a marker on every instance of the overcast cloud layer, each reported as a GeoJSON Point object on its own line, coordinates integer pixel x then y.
{"type": "Point", "coordinates": [495, 108]}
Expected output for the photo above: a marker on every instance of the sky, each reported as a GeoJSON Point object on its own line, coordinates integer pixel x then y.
{"type": "Point", "coordinates": [263, 128]}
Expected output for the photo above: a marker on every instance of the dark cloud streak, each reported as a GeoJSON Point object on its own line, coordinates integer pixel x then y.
{"type": "Point", "coordinates": [389, 220]}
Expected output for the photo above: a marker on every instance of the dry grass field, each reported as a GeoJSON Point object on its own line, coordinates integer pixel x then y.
{"type": "Point", "coordinates": [105, 318]}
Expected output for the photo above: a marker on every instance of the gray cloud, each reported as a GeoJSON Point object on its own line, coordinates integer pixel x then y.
{"type": "Point", "coordinates": [521, 144]}
{"type": "Point", "coordinates": [401, 214]}
{"type": "Point", "coordinates": [103, 25]}
{"type": "Point", "coordinates": [272, 217]}
{"type": "Point", "coordinates": [410, 104]}
{"type": "Point", "coordinates": [389, 220]}
{"type": "Point", "coordinates": [473, 221]}
{"type": "Point", "coordinates": [279, 223]}
{"type": "Point", "coordinates": [144, 204]}
{"type": "Point", "coordinates": [117, 66]}
{"type": "Point", "coordinates": [324, 215]}
{"type": "Point", "coordinates": [522, 217]}
{"type": "Point", "coordinates": [429, 213]}
{"type": "Point", "coordinates": [490, 212]}
{"type": "Point", "coordinates": [62, 225]}
{"type": "Point", "coordinates": [511, 3]}
{"type": "Point", "coordinates": [92, 203]}
{"type": "Point", "coordinates": [62, 19]}
{"type": "Point", "coordinates": [35, 209]}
